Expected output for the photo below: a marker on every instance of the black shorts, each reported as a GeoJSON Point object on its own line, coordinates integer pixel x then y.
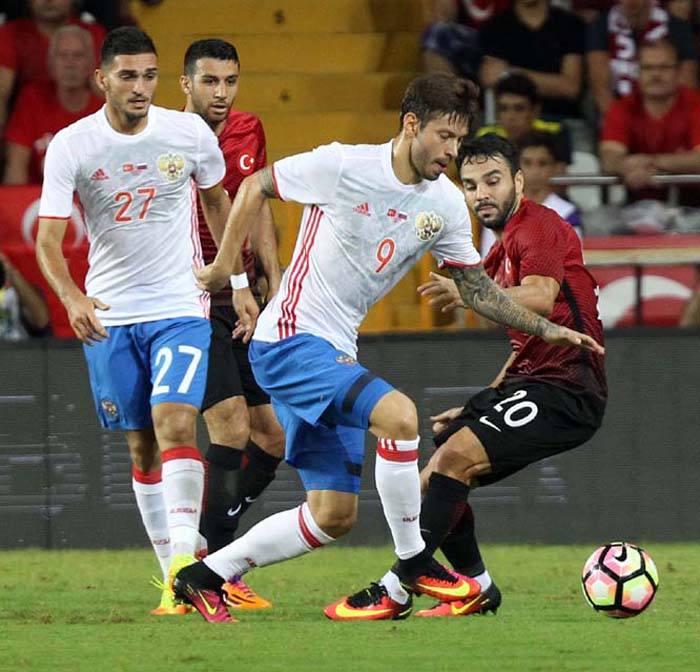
{"type": "Point", "coordinates": [523, 421]}
{"type": "Point", "coordinates": [230, 373]}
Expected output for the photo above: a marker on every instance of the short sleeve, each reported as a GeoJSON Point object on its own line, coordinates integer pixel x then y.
{"type": "Point", "coordinates": [597, 33]}
{"type": "Point", "coordinates": [456, 246]}
{"type": "Point", "coordinates": [681, 35]}
{"type": "Point", "coordinates": [59, 180]}
{"type": "Point", "coordinates": [19, 127]}
{"type": "Point", "coordinates": [210, 168]}
{"type": "Point", "coordinates": [8, 52]}
{"type": "Point", "coordinates": [574, 30]}
{"type": "Point", "coordinates": [311, 177]}
{"type": "Point", "coordinates": [695, 124]}
{"type": "Point", "coordinates": [541, 248]}
{"type": "Point", "coordinates": [261, 154]}
{"type": "Point", "coordinates": [616, 125]}
{"type": "Point", "coordinates": [489, 39]}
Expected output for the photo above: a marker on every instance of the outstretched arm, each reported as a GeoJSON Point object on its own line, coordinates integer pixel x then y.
{"type": "Point", "coordinates": [264, 242]}
{"type": "Point", "coordinates": [246, 209]}
{"type": "Point", "coordinates": [482, 294]}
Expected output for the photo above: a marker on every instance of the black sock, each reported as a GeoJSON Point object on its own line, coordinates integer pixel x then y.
{"type": "Point", "coordinates": [460, 546]}
{"type": "Point", "coordinates": [407, 570]}
{"type": "Point", "coordinates": [222, 495]}
{"type": "Point", "coordinates": [257, 473]}
{"type": "Point", "coordinates": [442, 508]}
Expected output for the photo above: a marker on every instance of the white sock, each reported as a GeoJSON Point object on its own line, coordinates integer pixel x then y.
{"type": "Point", "coordinates": [398, 483]}
{"type": "Point", "coordinates": [183, 486]}
{"type": "Point", "coordinates": [278, 537]}
{"type": "Point", "coordinates": [393, 586]}
{"type": "Point", "coordinates": [484, 579]}
{"type": "Point", "coordinates": [148, 489]}
{"type": "Point", "coordinates": [200, 550]}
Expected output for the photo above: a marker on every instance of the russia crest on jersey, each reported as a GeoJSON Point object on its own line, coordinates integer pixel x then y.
{"type": "Point", "coordinates": [428, 224]}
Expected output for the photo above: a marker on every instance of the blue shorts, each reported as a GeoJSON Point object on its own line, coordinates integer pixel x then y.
{"type": "Point", "coordinates": [323, 399]}
{"type": "Point", "coordinates": [141, 365]}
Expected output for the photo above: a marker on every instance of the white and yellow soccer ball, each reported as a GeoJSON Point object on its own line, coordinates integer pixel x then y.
{"type": "Point", "coordinates": [620, 580]}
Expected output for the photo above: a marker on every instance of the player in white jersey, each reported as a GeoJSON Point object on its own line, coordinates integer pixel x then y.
{"type": "Point", "coordinates": [372, 211]}
{"type": "Point", "coordinates": [135, 168]}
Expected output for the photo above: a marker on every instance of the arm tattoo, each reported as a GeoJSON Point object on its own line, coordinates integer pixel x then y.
{"type": "Point", "coordinates": [482, 294]}
{"type": "Point", "coordinates": [267, 182]}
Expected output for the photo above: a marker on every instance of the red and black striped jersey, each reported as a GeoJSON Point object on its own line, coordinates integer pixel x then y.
{"type": "Point", "coordinates": [536, 241]}
{"type": "Point", "coordinates": [242, 142]}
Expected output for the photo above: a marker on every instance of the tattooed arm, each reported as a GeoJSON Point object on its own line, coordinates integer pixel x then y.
{"type": "Point", "coordinates": [246, 209]}
{"type": "Point", "coordinates": [482, 294]}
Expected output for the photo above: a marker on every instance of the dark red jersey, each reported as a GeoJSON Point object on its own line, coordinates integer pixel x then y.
{"type": "Point", "coordinates": [536, 241]}
{"type": "Point", "coordinates": [242, 142]}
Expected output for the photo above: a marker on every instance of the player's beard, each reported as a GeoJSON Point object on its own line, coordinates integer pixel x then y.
{"type": "Point", "coordinates": [505, 211]}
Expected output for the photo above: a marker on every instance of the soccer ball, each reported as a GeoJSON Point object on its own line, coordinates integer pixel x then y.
{"type": "Point", "coordinates": [620, 580]}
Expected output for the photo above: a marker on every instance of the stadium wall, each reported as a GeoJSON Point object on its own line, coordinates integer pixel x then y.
{"type": "Point", "coordinates": [65, 483]}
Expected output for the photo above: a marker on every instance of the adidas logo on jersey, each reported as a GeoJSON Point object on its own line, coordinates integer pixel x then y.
{"type": "Point", "coordinates": [362, 209]}
{"type": "Point", "coordinates": [99, 174]}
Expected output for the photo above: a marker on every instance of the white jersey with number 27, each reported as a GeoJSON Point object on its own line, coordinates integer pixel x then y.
{"type": "Point", "coordinates": [139, 203]}
{"type": "Point", "coordinates": [361, 232]}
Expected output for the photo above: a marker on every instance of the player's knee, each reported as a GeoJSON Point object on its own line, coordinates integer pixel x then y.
{"type": "Point", "coordinates": [175, 427]}
{"type": "Point", "coordinates": [228, 422]}
{"type": "Point", "coordinates": [395, 416]}
{"type": "Point", "coordinates": [403, 423]}
{"type": "Point", "coordinates": [455, 461]}
{"type": "Point", "coordinates": [145, 456]}
{"type": "Point", "coordinates": [336, 521]}
{"type": "Point", "coordinates": [271, 442]}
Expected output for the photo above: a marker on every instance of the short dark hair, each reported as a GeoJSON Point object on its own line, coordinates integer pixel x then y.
{"type": "Point", "coordinates": [517, 84]}
{"type": "Point", "coordinates": [490, 146]}
{"type": "Point", "coordinates": [125, 40]}
{"type": "Point", "coordinates": [540, 139]}
{"type": "Point", "coordinates": [437, 94]}
{"type": "Point", "coordinates": [210, 48]}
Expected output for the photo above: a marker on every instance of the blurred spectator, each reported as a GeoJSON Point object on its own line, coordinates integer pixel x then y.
{"type": "Point", "coordinates": [691, 312]}
{"type": "Point", "coordinates": [11, 9]}
{"type": "Point", "coordinates": [23, 311]}
{"type": "Point", "coordinates": [613, 43]}
{"type": "Point", "coordinates": [589, 10]}
{"type": "Point", "coordinates": [451, 42]}
{"type": "Point", "coordinates": [539, 164]}
{"type": "Point", "coordinates": [546, 44]}
{"type": "Point", "coordinates": [24, 46]}
{"type": "Point", "coordinates": [517, 110]}
{"type": "Point", "coordinates": [655, 129]}
{"type": "Point", "coordinates": [42, 110]}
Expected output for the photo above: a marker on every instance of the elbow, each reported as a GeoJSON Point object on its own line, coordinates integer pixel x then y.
{"type": "Point", "coordinates": [40, 248]}
{"type": "Point", "coordinates": [547, 309]}
{"type": "Point", "coordinates": [252, 187]}
{"type": "Point", "coordinates": [572, 90]}
{"type": "Point", "coordinates": [42, 320]}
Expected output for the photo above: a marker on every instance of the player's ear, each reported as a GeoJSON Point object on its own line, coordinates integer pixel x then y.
{"type": "Point", "coordinates": [186, 84]}
{"type": "Point", "coordinates": [100, 80]}
{"type": "Point", "coordinates": [411, 124]}
{"type": "Point", "coordinates": [519, 180]}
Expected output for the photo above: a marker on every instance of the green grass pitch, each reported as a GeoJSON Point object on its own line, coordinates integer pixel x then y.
{"type": "Point", "coordinates": [88, 611]}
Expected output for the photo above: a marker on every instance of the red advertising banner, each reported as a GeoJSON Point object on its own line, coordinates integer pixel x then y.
{"type": "Point", "coordinates": [19, 210]}
{"type": "Point", "coordinates": [644, 280]}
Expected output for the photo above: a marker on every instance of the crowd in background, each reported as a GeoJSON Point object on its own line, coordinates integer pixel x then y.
{"type": "Point", "coordinates": [579, 85]}
{"type": "Point", "coordinates": [613, 82]}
